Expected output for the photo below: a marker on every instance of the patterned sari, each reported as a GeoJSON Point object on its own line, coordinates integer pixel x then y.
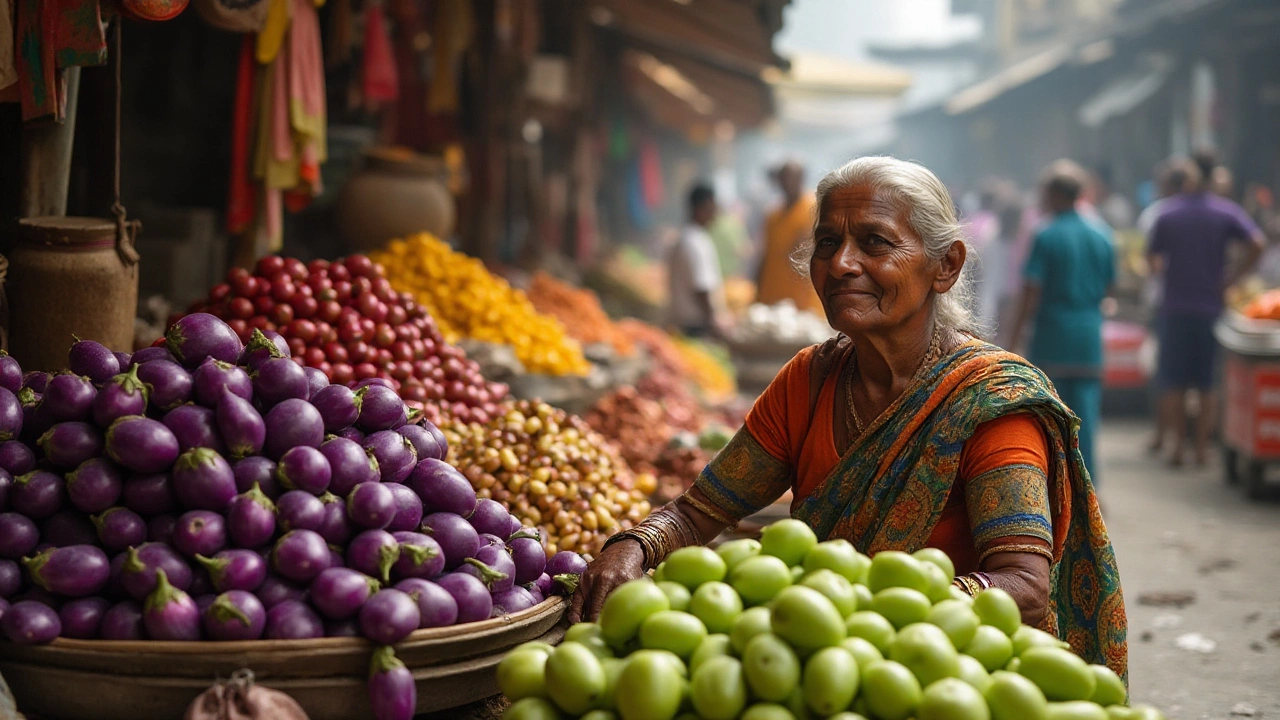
{"type": "Point", "coordinates": [890, 487]}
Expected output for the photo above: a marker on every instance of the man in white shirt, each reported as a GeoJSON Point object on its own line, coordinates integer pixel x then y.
{"type": "Point", "coordinates": [693, 271]}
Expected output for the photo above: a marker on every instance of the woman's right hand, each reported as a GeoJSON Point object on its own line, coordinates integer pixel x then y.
{"type": "Point", "coordinates": [619, 563]}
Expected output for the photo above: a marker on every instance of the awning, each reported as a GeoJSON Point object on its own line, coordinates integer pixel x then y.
{"type": "Point", "coordinates": [1019, 73]}
{"type": "Point", "coordinates": [732, 34]}
{"type": "Point", "coordinates": [1121, 96]}
{"type": "Point", "coordinates": [687, 95]}
{"type": "Point", "coordinates": [816, 75]}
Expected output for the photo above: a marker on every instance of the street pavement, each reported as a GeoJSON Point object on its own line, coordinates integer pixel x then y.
{"type": "Point", "coordinates": [1184, 537]}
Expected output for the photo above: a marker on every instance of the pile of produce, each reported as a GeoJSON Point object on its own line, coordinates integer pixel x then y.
{"type": "Point", "coordinates": [782, 324]}
{"type": "Point", "coordinates": [1265, 306]}
{"type": "Point", "coordinates": [788, 627]}
{"type": "Point", "coordinates": [344, 319]}
{"type": "Point", "coordinates": [469, 301]}
{"type": "Point", "coordinates": [580, 311]}
{"type": "Point", "coordinates": [553, 472]}
{"type": "Point", "coordinates": [668, 377]}
{"type": "Point", "coordinates": [205, 490]}
{"type": "Point", "coordinates": [709, 368]}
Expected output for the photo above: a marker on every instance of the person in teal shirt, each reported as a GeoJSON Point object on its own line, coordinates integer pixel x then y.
{"type": "Point", "coordinates": [1067, 277]}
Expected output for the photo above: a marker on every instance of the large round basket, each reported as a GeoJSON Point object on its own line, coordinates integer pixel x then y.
{"type": "Point", "coordinates": [110, 680]}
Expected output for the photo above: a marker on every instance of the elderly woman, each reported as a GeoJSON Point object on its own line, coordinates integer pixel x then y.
{"type": "Point", "coordinates": [906, 431]}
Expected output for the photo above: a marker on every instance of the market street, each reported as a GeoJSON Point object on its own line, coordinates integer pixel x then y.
{"type": "Point", "coordinates": [1185, 530]}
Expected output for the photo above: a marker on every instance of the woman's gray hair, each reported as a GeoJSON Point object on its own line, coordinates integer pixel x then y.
{"type": "Point", "coordinates": [931, 214]}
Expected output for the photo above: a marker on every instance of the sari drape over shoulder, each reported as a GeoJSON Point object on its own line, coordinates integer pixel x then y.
{"type": "Point", "coordinates": [890, 487]}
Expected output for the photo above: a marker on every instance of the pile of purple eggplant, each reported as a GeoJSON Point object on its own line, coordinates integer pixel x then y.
{"type": "Point", "coordinates": [209, 490]}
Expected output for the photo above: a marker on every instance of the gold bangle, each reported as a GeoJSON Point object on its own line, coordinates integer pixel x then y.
{"type": "Point", "coordinates": [1040, 550]}
{"type": "Point", "coordinates": [967, 585]}
{"type": "Point", "coordinates": [709, 510]}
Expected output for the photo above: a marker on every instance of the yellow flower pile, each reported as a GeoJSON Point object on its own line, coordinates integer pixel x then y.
{"type": "Point", "coordinates": [710, 373]}
{"type": "Point", "coordinates": [467, 300]}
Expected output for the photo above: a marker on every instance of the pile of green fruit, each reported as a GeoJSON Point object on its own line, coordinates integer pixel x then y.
{"type": "Point", "coordinates": [788, 628]}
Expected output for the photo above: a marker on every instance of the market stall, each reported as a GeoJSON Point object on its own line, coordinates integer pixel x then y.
{"type": "Point", "coordinates": [1251, 397]}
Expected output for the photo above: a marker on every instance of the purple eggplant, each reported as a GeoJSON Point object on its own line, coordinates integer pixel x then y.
{"type": "Point", "coordinates": [300, 555]}
{"type": "Point", "coordinates": [423, 441]}
{"type": "Point", "coordinates": [393, 694]}
{"type": "Point", "coordinates": [299, 510]}
{"type": "Point", "coordinates": [280, 379]}
{"type": "Point", "coordinates": [200, 532]}
{"type": "Point", "coordinates": [94, 486]}
{"type": "Point", "coordinates": [443, 489]}
{"type": "Point", "coordinates": [293, 620]}
{"type": "Point", "coordinates": [82, 619]}
{"type": "Point", "coordinates": [396, 456]}
{"type": "Point", "coordinates": [125, 359]}
{"type": "Point", "coordinates": [67, 527]}
{"type": "Point", "coordinates": [260, 471]}
{"type": "Point", "coordinates": [155, 352]}
{"type": "Point", "coordinates": [380, 409]}
{"type": "Point", "coordinates": [290, 424]}
{"type": "Point", "coordinates": [93, 360]}
{"type": "Point", "coordinates": [489, 516]}
{"type": "Point", "coordinates": [200, 335]}
{"type": "Point", "coordinates": [212, 376]}
{"type": "Point", "coordinates": [349, 463]}
{"type": "Point", "coordinates": [275, 590]}
{"type": "Point", "coordinates": [339, 593]}
{"type": "Point", "coordinates": [10, 579]}
{"type": "Point", "coordinates": [235, 570]}
{"type": "Point", "coordinates": [149, 495]}
{"type": "Point", "coordinates": [235, 615]}
{"type": "Point", "coordinates": [123, 621]}
{"type": "Point", "coordinates": [120, 528]}
{"type": "Point", "coordinates": [38, 494]}
{"type": "Point", "coordinates": [493, 566]}
{"type": "Point", "coordinates": [6, 485]}
{"type": "Point", "coordinates": [565, 567]}
{"type": "Point", "coordinates": [18, 535]}
{"type": "Point", "coordinates": [336, 528]}
{"type": "Point", "coordinates": [338, 406]}
{"type": "Point", "coordinates": [141, 444]}
{"type": "Point", "coordinates": [251, 519]}
{"type": "Point", "coordinates": [36, 380]}
{"type": "Point", "coordinates": [140, 567]}
{"type": "Point", "coordinates": [194, 426]}
{"type": "Point", "coordinates": [10, 415]}
{"type": "Point", "coordinates": [473, 598]}
{"type": "Point", "coordinates": [388, 616]}
{"type": "Point", "coordinates": [436, 607]}
{"type": "Point", "coordinates": [73, 571]}
{"type": "Point", "coordinates": [68, 397]}
{"type": "Point", "coordinates": [529, 557]}
{"type": "Point", "coordinates": [16, 458]}
{"type": "Point", "coordinates": [316, 380]}
{"type": "Point", "coordinates": [371, 505]}
{"type": "Point", "coordinates": [161, 527]}
{"type": "Point", "coordinates": [10, 373]}
{"type": "Point", "coordinates": [408, 509]}
{"type": "Point", "coordinates": [168, 383]}
{"type": "Point", "coordinates": [31, 623]}
{"type": "Point", "coordinates": [352, 433]}
{"type": "Point", "coordinates": [487, 540]}
{"type": "Point", "coordinates": [262, 347]}
{"type": "Point", "coordinates": [203, 480]}
{"type": "Point", "coordinates": [243, 429]}
{"type": "Point", "coordinates": [511, 601]}
{"type": "Point", "coordinates": [535, 592]}
{"type": "Point", "coordinates": [68, 444]}
{"type": "Point", "coordinates": [455, 536]}
{"type": "Point", "coordinates": [304, 468]}
{"type": "Point", "coordinates": [420, 556]}
{"type": "Point", "coordinates": [373, 552]}
{"type": "Point", "coordinates": [545, 584]}
{"type": "Point", "coordinates": [169, 613]}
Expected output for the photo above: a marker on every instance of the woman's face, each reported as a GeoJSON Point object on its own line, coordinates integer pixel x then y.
{"type": "Point", "coordinates": [870, 268]}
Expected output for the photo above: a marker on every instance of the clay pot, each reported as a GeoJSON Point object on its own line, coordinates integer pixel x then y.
{"type": "Point", "coordinates": [394, 194]}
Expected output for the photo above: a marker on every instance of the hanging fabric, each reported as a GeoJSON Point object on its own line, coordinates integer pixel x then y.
{"type": "Point", "coordinates": [379, 78]}
{"type": "Point", "coordinates": [240, 197]}
{"type": "Point", "coordinates": [454, 31]}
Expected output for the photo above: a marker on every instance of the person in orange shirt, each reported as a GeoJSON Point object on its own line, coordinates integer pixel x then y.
{"type": "Point", "coordinates": [785, 229]}
{"type": "Point", "coordinates": [906, 431]}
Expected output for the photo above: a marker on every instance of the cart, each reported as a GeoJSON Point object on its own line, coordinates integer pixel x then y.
{"type": "Point", "coordinates": [1251, 399]}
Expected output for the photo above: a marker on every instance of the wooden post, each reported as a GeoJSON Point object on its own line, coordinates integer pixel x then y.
{"type": "Point", "coordinates": [46, 158]}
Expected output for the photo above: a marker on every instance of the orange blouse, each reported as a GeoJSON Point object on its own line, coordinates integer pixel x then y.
{"type": "Point", "coordinates": [782, 423]}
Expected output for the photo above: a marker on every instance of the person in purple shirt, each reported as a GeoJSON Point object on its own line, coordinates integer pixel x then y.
{"type": "Point", "coordinates": [1189, 245]}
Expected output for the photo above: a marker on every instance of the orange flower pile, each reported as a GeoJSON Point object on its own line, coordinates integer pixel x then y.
{"type": "Point", "coordinates": [580, 311]}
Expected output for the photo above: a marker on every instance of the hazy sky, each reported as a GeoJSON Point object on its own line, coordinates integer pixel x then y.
{"type": "Point", "coordinates": [842, 28]}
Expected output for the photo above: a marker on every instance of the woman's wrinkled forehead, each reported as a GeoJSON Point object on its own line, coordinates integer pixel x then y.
{"type": "Point", "coordinates": [862, 205]}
